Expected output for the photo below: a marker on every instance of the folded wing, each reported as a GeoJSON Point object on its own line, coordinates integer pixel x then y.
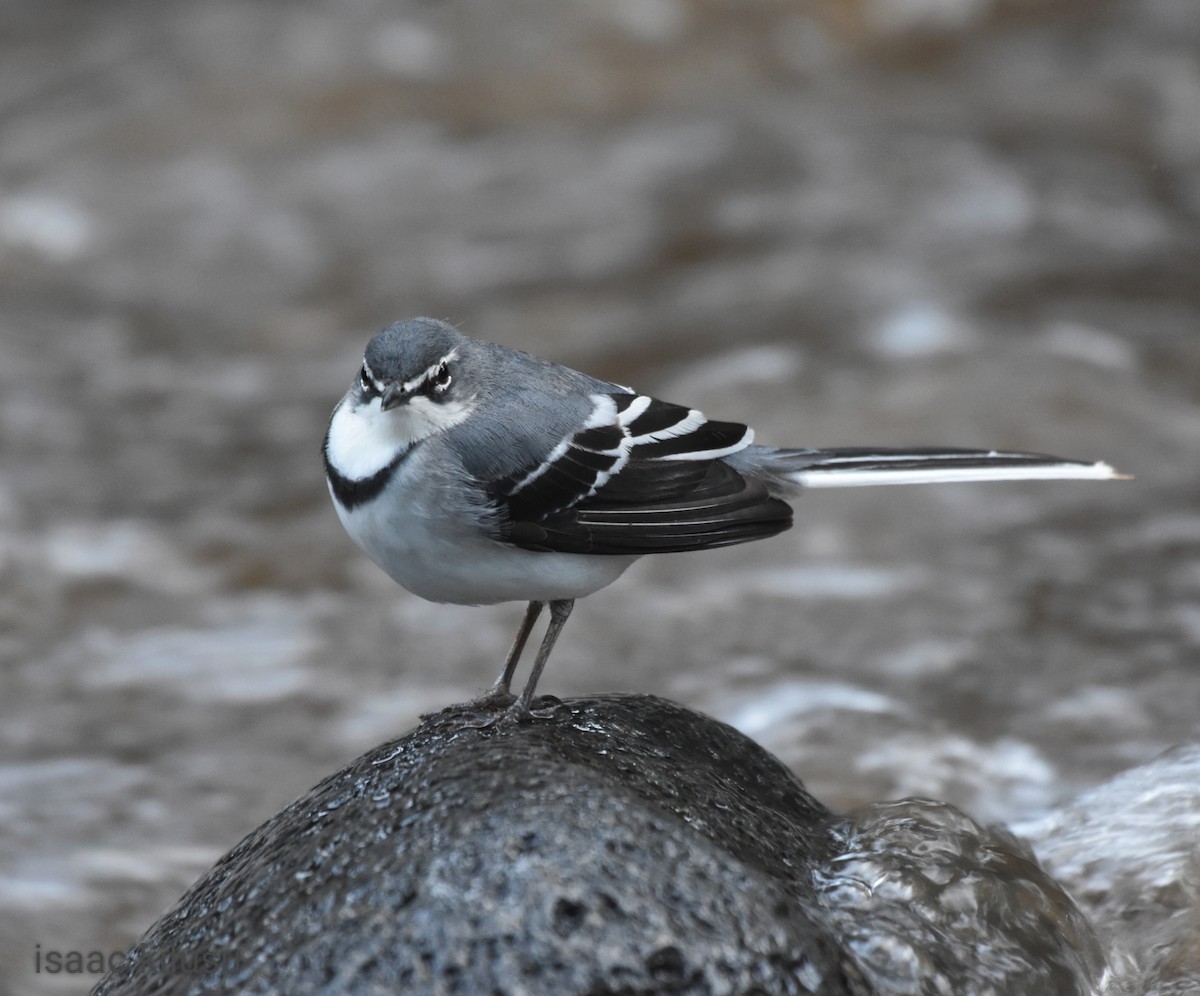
{"type": "Point", "coordinates": [640, 476]}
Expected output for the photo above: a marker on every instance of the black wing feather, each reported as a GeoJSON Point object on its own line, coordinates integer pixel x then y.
{"type": "Point", "coordinates": [658, 501]}
{"type": "Point", "coordinates": [726, 509]}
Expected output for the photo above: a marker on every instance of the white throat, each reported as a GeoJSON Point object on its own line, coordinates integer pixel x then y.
{"type": "Point", "coordinates": [363, 438]}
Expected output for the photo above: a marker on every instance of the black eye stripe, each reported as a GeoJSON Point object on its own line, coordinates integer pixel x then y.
{"type": "Point", "coordinates": [433, 382]}
{"type": "Point", "coordinates": [439, 379]}
{"type": "Point", "coordinates": [364, 379]}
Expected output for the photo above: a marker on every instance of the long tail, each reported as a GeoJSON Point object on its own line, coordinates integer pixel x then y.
{"type": "Point", "coordinates": [860, 467]}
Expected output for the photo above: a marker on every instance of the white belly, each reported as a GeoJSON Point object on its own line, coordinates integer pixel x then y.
{"type": "Point", "coordinates": [428, 552]}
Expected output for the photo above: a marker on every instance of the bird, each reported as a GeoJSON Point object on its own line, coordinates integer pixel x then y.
{"type": "Point", "coordinates": [473, 473]}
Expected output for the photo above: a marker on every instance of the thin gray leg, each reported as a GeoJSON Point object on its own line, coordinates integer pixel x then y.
{"type": "Point", "coordinates": [514, 655]}
{"type": "Point", "coordinates": [559, 611]}
{"type": "Point", "coordinates": [498, 695]}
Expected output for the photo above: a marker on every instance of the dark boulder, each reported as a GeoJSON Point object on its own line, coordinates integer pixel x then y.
{"type": "Point", "coordinates": [625, 845]}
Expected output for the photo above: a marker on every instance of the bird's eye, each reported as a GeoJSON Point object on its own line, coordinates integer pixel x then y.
{"type": "Point", "coordinates": [442, 377]}
{"type": "Point", "coordinates": [365, 382]}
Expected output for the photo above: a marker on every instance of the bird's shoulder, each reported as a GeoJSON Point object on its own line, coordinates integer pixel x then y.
{"type": "Point", "coordinates": [523, 408]}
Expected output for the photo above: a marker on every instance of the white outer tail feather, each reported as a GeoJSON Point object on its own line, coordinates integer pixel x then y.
{"type": "Point", "coordinates": [863, 470]}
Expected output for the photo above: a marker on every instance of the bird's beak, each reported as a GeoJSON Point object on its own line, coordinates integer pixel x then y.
{"type": "Point", "coordinates": [393, 396]}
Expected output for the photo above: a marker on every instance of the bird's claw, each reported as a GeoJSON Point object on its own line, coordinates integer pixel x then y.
{"type": "Point", "coordinates": [492, 710]}
{"type": "Point", "coordinates": [490, 701]}
{"type": "Point", "coordinates": [544, 707]}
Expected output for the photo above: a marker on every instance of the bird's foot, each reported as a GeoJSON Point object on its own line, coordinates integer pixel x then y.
{"type": "Point", "coordinates": [544, 707]}
{"type": "Point", "coordinates": [478, 713]}
{"type": "Point", "coordinates": [493, 700]}
{"type": "Point", "coordinates": [494, 708]}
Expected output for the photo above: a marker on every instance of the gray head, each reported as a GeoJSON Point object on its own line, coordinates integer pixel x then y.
{"type": "Point", "coordinates": [415, 382]}
{"type": "Point", "coordinates": [418, 358]}
{"type": "Point", "coordinates": [423, 377]}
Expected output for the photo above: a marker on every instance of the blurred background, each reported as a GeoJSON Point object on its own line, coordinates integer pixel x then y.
{"type": "Point", "coordinates": [962, 222]}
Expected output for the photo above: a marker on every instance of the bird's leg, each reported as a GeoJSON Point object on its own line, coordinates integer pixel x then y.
{"type": "Point", "coordinates": [559, 611]}
{"type": "Point", "coordinates": [499, 692]}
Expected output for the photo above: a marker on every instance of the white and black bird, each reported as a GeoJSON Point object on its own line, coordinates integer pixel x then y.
{"type": "Point", "coordinates": [473, 474]}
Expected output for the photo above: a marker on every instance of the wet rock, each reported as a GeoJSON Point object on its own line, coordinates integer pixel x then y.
{"type": "Point", "coordinates": [929, 901]}
{"type": "Point", "coordinates": [626, 845]}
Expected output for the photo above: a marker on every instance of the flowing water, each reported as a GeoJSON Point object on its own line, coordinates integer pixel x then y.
{"type": "Point", "coordinates": [856, 224]}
